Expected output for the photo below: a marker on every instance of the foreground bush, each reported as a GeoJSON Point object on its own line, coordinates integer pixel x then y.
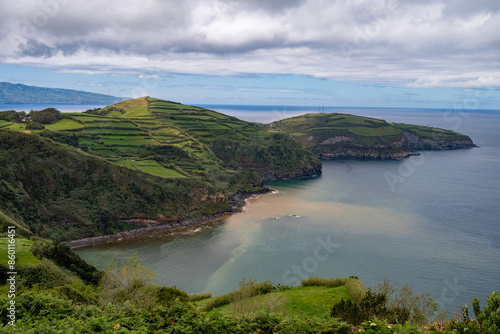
{"type": "Point", "coordinates": [194, 297]}
{"type": "Point", "coordinates": [320, 281]}
{"type": "Point", "coordinates": [385, 301]}
{"type": "Point", "coordinates": [247, 290]}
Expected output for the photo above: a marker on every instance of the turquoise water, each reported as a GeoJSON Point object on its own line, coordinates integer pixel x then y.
{"type": "Point", "coordinates": [432, 221]}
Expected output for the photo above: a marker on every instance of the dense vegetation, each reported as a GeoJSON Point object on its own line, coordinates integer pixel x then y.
{"type": "Point", "coordinates": [63, 194]}
{"type": "Point", "coordinates": [18, 93]}
{"type": "Point", "coordinates": [50, 298]}
{"type": "Point", "coordinates": [57, 292]}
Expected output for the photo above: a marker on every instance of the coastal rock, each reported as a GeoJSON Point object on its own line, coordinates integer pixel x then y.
{"type": "Point", "coordinates": [367, 155]}
{"type": "Point", "coordinates": [335, 140]}
{"type": "Point", "coordinates": [304, 174]}
{"type": "Point", "coordinates": [412, 141]}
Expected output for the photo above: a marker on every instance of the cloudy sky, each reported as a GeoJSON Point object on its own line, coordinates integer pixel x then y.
{"type": "Point", "coordinates": [387, 53]}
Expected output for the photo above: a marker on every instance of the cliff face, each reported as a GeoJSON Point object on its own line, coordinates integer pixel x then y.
{"type": "Point", "coordinates": [411, 141]}
{"type": "Point", "coordinates": [367, 155]}
{"type": "Point", "coordinates": [304, 174]}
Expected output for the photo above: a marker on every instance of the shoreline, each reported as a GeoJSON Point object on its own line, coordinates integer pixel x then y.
{"type": "Point", "coordinates": [238, 203]}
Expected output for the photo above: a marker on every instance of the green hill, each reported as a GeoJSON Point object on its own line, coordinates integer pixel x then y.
{"type": "Point", "coordinates": [18, 93]}
{"type": "Point", "coordinates": [337, 135]}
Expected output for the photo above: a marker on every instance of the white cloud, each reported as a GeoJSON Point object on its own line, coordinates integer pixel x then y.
{"type": "Point", "coordinates": [418, 44]}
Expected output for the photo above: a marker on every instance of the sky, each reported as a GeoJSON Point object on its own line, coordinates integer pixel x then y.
{"type": "Point", "coordinates": [353, 53]}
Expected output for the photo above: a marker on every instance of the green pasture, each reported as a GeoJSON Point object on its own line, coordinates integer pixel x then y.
{"type": "Point", "coordinates": [85, 118]}
{"type": "Point", "coordinates": [150, 167]}
{"type": "Point", "coordinates": [64, 124]}
{"type": "Point", "coordinates": [23, 252]}
{"type": "Point", "coordinates": [17, 127]}
{"type": "Point", "coordinates": [298, 301]}
{"type": "Point", "coordinates": [112, 124]}
{"type": "Point", "coordinates": [127, 140]}
{"type": "Point", "coordinates": [111, 131]}
{"type": "Point", "coordinates": [375, 131]}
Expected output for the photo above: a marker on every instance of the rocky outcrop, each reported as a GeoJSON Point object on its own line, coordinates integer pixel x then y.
{"type": "Point", "coordinates": [157, 227]}
{"type": "Point", "coordinates": [367, 155]}
{"type": "Point", "coordinates": [238, 201]}
{"type": "Point", "coordinates": [412, 142]}
{"type": "Point", "coordinates": [402, 149]}
{"type": "Point", "coordinates": [335, 140]}
{"type": "Point", "coordinates": [304, 174]}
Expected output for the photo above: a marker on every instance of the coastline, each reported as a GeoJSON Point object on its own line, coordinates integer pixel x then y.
{"type": "Point", "coordinates": [238, 203]}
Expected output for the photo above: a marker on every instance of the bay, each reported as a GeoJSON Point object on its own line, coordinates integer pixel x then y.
{"type": "Point", "coordinates": [431, 221]}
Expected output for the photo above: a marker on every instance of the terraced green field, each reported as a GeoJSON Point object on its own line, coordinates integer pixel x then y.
{"type": "Point", "coordinates": [23, 252]}
{"type": "Point", "coordinates": [65, 124]}
{"type": "Point", "coordinates": [150, 167]}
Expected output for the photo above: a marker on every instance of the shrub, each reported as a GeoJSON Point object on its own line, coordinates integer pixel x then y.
{"type": "Point", "coordinates": [320, 281]}
{"type": "Point", "coordinates": [194, 297]}
{"type": "Point", "coordinates": [34, 126]}
{"type": "Point", "coordinates": [355, 289]}
{"type": "Point", "coordinates": [45, 274]}
{"type": "Point", "coordinates": [247, 290]}
{"type": "Point", "coordinates": [78, 293]}
{"type": "Point", "coordinates": [404, 305]}
{"type": "Point", "coordinates": [129, 282]}
{"type": "Point", "coordinates": [372, 305]}
{"type": "Point", "coordinates": [489, 318]}
{"type": "Point", "coordinates": [166, 295]}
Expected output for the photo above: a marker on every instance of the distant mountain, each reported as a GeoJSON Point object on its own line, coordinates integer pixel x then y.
{"type": "Point", "coordinates": [18, 93]}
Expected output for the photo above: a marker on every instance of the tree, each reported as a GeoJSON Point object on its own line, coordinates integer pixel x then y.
{"type": "Point", "coordinates": [489, 318]}
{"type": "Point", "coordinates": [45, 116]}
{"type": "Point", "coordinates": [35, 126]}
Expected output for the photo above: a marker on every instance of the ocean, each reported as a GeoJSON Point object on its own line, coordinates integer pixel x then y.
{"type": "Point", "coordinates": [432, 221]}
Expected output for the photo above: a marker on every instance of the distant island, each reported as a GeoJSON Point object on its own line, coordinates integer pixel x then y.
{"type": "Point", "coordinates": [21, 94]}
{"type": "Point", "coordinates": [151, 163]}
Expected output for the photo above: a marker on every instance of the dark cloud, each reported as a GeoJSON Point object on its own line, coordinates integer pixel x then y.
{"type": "Point", "coordinates": [422, 42]}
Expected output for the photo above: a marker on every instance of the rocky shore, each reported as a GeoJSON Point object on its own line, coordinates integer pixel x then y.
{"type": "Point", "coordinates": [304, 174]}
{"type": "Point", "coordinates": [237, 203]}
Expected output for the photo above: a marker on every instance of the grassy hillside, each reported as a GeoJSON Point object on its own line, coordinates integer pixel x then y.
{"type": "Point", "coordinates": [172, 140]}
{"type": "Point", "coordinates": [62, 193]}
{"type": "Point", "coordinates": [342, 135]}
{"type": "Point", "coordinates": [90, 173]}
{"type": "Point", "coordinates": [18, 93]}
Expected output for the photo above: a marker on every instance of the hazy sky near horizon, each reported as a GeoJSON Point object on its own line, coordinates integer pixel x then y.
{"type": "Point", "coordinates": [387, 53]}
